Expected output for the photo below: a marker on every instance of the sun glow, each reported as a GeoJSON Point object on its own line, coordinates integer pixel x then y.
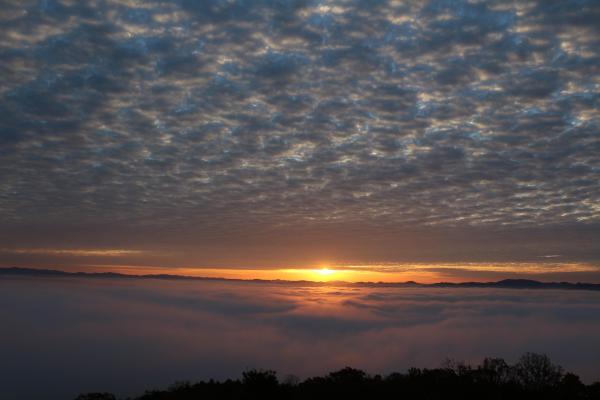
{"type": "Point", "coordinates": [325, 272]}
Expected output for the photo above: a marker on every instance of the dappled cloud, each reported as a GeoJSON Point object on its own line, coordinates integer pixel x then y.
{"type": "Point", "coordinates": [257, 120]}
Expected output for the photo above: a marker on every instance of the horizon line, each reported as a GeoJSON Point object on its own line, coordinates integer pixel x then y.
{"type": "Point", "coordinates": [510, 283]}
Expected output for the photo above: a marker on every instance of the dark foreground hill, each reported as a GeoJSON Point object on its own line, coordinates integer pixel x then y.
{"type": "Point", "coordinates": [534, 376]}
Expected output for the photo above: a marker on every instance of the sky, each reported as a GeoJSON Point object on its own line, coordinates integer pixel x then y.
{"type": "Point", "coordinates": [381, 139]}
{"type": "Point", "coordinates": [68, 336]}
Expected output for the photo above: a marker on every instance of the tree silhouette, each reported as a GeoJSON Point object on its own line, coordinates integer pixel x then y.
{"type": "Point", "coordinates": [96, 396]}
{"type": "Point", "coordinates": [495, 371]}
{"type": "Point", "coordinates": [534, 376]}
{"type": "Point", "coordinates": [536, 371]}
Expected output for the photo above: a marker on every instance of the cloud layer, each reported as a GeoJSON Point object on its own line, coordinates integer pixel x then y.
{"type": "Point", "coordinates": [226, 118]}
{"type": "Point", "coordinates": [65, 336]}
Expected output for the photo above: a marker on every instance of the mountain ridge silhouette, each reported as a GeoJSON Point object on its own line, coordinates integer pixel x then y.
{"type": "Point", "coordinates": [502, 284]}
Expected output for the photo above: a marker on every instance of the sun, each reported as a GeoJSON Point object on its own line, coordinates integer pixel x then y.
{"type": "Point", "coordinates": [325, 272]}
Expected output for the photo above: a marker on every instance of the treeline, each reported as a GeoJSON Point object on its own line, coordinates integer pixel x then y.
{"type": "Point", "coordinates": [534, 376]}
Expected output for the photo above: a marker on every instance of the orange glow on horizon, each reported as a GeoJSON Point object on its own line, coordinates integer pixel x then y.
{"type": "Point", "coordinates": [322, 274]}
{"type": "Point", "coordinates": [422, 273]}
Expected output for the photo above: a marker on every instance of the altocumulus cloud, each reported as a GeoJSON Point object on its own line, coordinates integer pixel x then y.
{"type": "Point", "coordinates": [236, 117]}
{"type": "Point", "coordinates": [65, 336]}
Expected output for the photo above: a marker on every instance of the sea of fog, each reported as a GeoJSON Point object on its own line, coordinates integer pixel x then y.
{"type": "Point", "coordinates": [63, 336]}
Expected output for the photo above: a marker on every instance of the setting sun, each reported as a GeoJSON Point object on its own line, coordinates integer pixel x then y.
{"type": "Point", "coordinates": [325, 272]}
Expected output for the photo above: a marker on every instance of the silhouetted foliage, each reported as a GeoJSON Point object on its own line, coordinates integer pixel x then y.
{"type": "Point", "coordinates": [260, 384]}
{"type": "Point", "coordinates": [96, 396]}
{"type": "Point", "coordinates": [536, 372]}
{"type": "Point", "coordinates": [534, 376]}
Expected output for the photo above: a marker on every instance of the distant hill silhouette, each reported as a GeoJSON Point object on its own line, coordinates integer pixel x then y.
{"type": "Point", "coordinates": [505, 284]}
{"type": "Point", "coordinates": [534, 376]}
